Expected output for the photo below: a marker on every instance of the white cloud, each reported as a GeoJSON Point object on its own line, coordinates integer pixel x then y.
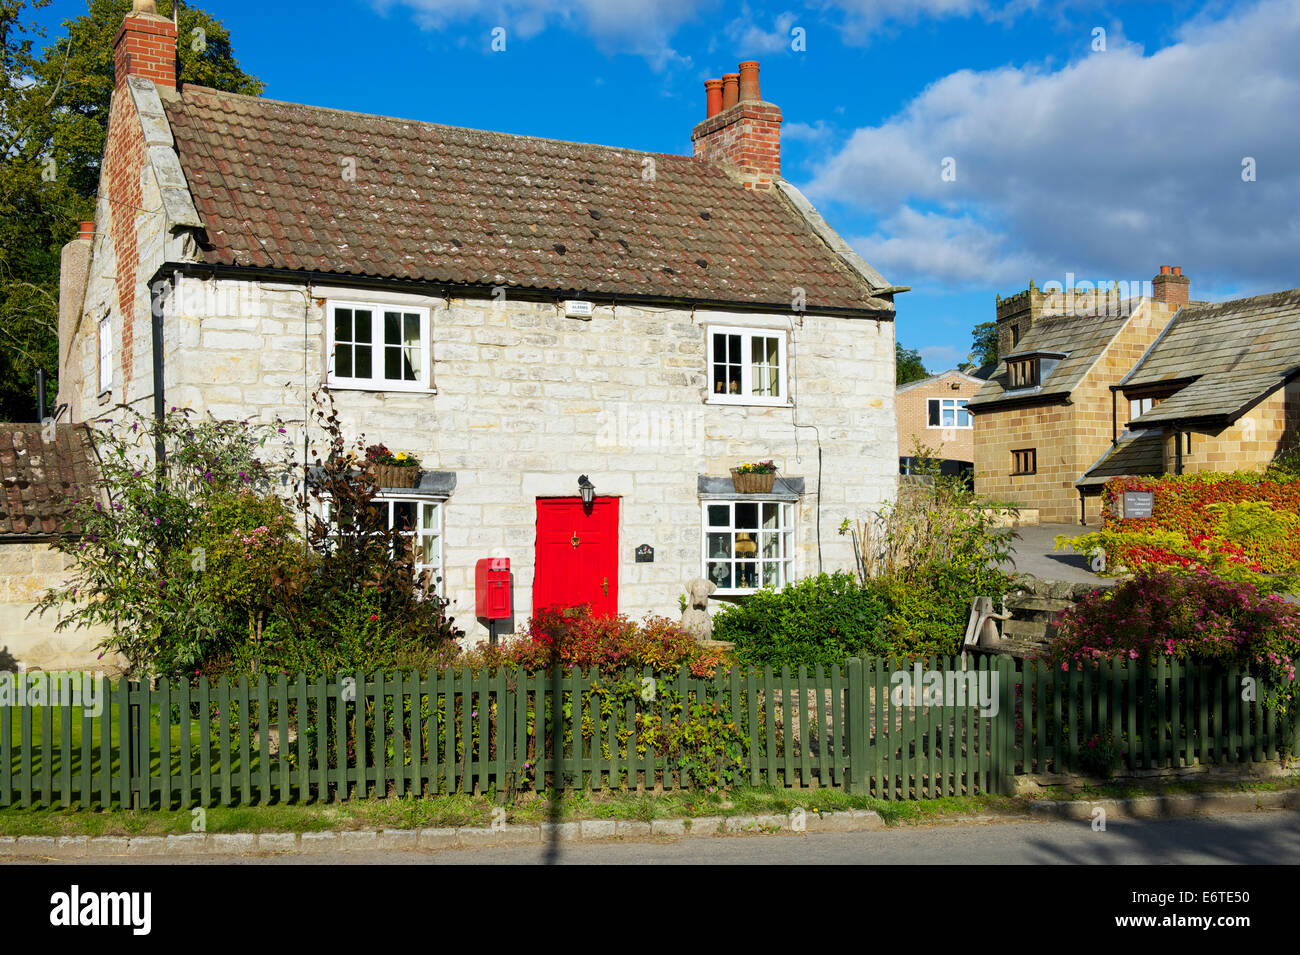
{"type": "Point", "coordinates": [750, 39]}
{"type": "Point", "coordinates": [941, 357]}
{"type": "Point", "coordinates": [641, 27]}
{"type": "Point", "coordinates": [1110, 166]}
{"type": "Point", "coordinates": [805, 132]}
{"type": "Point", "coordinates": [861, 18]}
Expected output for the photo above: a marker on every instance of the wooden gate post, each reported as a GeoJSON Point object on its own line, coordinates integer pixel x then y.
{"type": "Point", "coordinates": [1006, 723]}
{"type": "Point", "coordinates": [857, 726]}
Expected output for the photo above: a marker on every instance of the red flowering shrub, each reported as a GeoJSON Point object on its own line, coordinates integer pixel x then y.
{"type": "Point", "coordinates": [1258, 513]}
{"type": "Point", "coordinates": [1194, 617]}
{"type": "Point", "coordinates": [577, 638]}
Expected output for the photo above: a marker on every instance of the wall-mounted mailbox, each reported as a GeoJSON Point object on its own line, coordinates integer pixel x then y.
{"type": "Point", "coordinates": [492, 588]}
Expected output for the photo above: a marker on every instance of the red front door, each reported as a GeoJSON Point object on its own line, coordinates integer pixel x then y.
{"type": "Point", "coordinates": [577, 555]}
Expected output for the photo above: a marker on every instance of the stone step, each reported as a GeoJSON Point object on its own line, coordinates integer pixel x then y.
{"type": "Point", "coordinates": [1025, 630]}
{"type": "Point", "coordinates": [1049, 605]}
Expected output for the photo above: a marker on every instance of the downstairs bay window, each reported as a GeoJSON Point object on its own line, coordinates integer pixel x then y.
{"type": "Point", "coordinates": [419, 521]}
{"type": "Point", "coordinates": [748, 544]}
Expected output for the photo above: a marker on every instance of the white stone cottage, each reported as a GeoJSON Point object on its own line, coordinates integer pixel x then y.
{"type": "Point", "coordinates": [515, 312]}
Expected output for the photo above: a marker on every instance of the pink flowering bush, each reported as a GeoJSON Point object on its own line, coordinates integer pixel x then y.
{"type": "Point", "coordinates": [1194, 617]}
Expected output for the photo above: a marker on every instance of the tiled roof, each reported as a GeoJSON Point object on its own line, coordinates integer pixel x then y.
{"type": "Point", "coordinates": [1081, 338]}
{"type": "Point", "coordinates": [1238, 352]}
{"type": "Point", "coordinates": [1137, 452]}
{"type": "Point", "coordinates": [303, 188]}
{"type": "Point", "coordinates": [37, 478]}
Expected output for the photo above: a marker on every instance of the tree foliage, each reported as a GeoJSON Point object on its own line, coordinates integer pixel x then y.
{"type": "Point", "coordinates": [984, 344]}
{"type": "Point", "coordinates": [908, 365]}
{"type": "Point", "coordinates": [54, 103]}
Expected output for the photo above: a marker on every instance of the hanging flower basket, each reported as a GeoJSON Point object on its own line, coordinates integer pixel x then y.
{"type": "Point", "coordinates": [393, 470]}
{"type": "Point", "coordinates": [754, 478]}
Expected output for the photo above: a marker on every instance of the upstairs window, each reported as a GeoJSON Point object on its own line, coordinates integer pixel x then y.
{"type": "Point", "coordinates": [948, 413]}
{"type": "Point", "coordinates": [1024, 461]}
{"type": "Point", "coordinates": [1022, 373]}
{"type": "Point", "coordinates": [105, 354]}
{"type": "Point", "coordinates": [379, 347]}
{"type": "Point", "coordinates": [747, 366]}
{"type": "Point", "coordinates": [1140, 406]}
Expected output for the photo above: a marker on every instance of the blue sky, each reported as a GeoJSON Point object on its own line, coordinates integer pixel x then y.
{"type": "Point", "coordinates": [1069, 158]}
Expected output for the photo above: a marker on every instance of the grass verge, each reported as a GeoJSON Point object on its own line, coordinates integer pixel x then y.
{"type": "Point", "coordinates": [449, 811]}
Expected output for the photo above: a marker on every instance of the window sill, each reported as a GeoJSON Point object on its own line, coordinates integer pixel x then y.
{"type": "Point", "coordinates": [747, 402]}
{"type": "Point", "coordinates": [378, 389]}
{"type": "Point", "coordinates": [951, 427]}
{"type": "Point", "coordinates": [106, 396]}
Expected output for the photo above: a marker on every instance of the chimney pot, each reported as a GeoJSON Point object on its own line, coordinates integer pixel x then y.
{"type": "Point", "coordinates": [87, 230]}
{"type": "Point", "coordinates": [730, 90]}
{"type": "Point", "coordinates": [1177, 270]}
{"type": "Point", "coordinates": [1164, 270]}
{"type": "Point", "coordinates": [144, 6]}
{"type": "Point", "coordinates": [749, 92]}
{"type": "Point", "coordinates": [712, 98]}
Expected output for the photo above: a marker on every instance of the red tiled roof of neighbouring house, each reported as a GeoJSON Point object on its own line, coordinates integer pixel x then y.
{"type": "Point", "coordinates": [38, 479]}
{"type": "Point", "coordinates": [302, 188]}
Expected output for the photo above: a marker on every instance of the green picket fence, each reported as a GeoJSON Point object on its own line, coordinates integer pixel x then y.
{"type": "Point", "coordinates": [859, 727]}
{"type": "Point", "coordinates": [1121, 717]}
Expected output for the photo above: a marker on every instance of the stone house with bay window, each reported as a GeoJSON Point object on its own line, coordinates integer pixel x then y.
{"type": "Point", "coordinates": [515, 312]}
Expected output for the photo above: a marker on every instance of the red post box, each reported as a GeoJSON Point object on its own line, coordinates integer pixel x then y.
{"type": "Point", "coordinates": [492, 588]}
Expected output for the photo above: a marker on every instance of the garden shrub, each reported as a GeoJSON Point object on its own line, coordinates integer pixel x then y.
{"type": "Point", "coordinates": [818, 620]}
{"type": "Point", "coordinates": [1243, 527]}
{"type": "Point", "coordinates": [1195, 617]}
{"type": "Point", "coordinates": [576, 638]}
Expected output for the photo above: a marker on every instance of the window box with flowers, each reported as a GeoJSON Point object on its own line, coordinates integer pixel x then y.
{"type": "Point", "coordinates": [393, 469]}
{"type": "Point", "coordinates": [750, 478]}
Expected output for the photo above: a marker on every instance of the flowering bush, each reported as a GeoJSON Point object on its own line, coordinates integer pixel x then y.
{"type": "Point", "coordinates": [379, 454]}
{"type": "Point", "coordinates": [1258, 513]}
{"type": "Point", "coordinates": [1192, 616]}
{"type": "Point", "coordinates": [577, 638]}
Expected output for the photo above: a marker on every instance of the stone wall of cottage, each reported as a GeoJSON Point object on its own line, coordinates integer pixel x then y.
{"type": "Point", "coordinates": [526, 400]}
{"type": "Point", "coordinates": [27, 570]}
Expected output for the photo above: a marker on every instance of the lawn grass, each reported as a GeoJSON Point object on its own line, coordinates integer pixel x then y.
{"type": "Point", "coordinates": [456, 810]}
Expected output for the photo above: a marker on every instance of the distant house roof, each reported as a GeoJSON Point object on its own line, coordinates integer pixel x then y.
{"type": "Point", "coordinates": [307, 189]}
{"type": "Point", "coordinates": [38, 478]}
{"type": "Point", "coordinates": [950, 373]}
{"type": "Point", "coordinates": [1136, 453]}
{"type": "Point", "coordinates": [1080, 338]}
{"type": "Point", "coordinates": [1226, 357]}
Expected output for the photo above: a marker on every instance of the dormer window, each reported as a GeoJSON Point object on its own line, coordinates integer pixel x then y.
{"type": "Point", "coordinates": [1022, 373]}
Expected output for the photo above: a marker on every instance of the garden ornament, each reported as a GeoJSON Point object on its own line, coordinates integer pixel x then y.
{"type": "Point", "coordinates": [695, 618]}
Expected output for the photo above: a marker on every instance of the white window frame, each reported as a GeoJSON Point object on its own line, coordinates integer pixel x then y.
{"type": "Point", "coordinates": [746, 395]}
{"type": "Point", "coordinates": [376, 382]}
{"type": "Point", "coordinates": [958, 405]}
{"type": "Point", "coordinates": [438, 531]}
{"type": "Point", "coordinates": [105, 328]}
{"type": "Point", "coordinates": [785, 539]}
{"type": "Point", "coordinates": [1140, 406]}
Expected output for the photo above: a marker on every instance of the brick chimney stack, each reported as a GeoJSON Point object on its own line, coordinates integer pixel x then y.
{"type": "Point", "coordinates": [1170, 286]}
{"type": "Point", "coordinates": [145, 46]}
{"type": "Point", "coordinates": [745, 133]}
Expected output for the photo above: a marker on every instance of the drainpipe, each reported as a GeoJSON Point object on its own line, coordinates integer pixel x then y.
{"type": "Point", "coordinates": [1178, 449]}
{"type": "Point", "coordinates": [157, 300]}
{"type": "Point", "coordinates": [1114, 419]}
{"type": "Point", "coordinates": [1083, 509]}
